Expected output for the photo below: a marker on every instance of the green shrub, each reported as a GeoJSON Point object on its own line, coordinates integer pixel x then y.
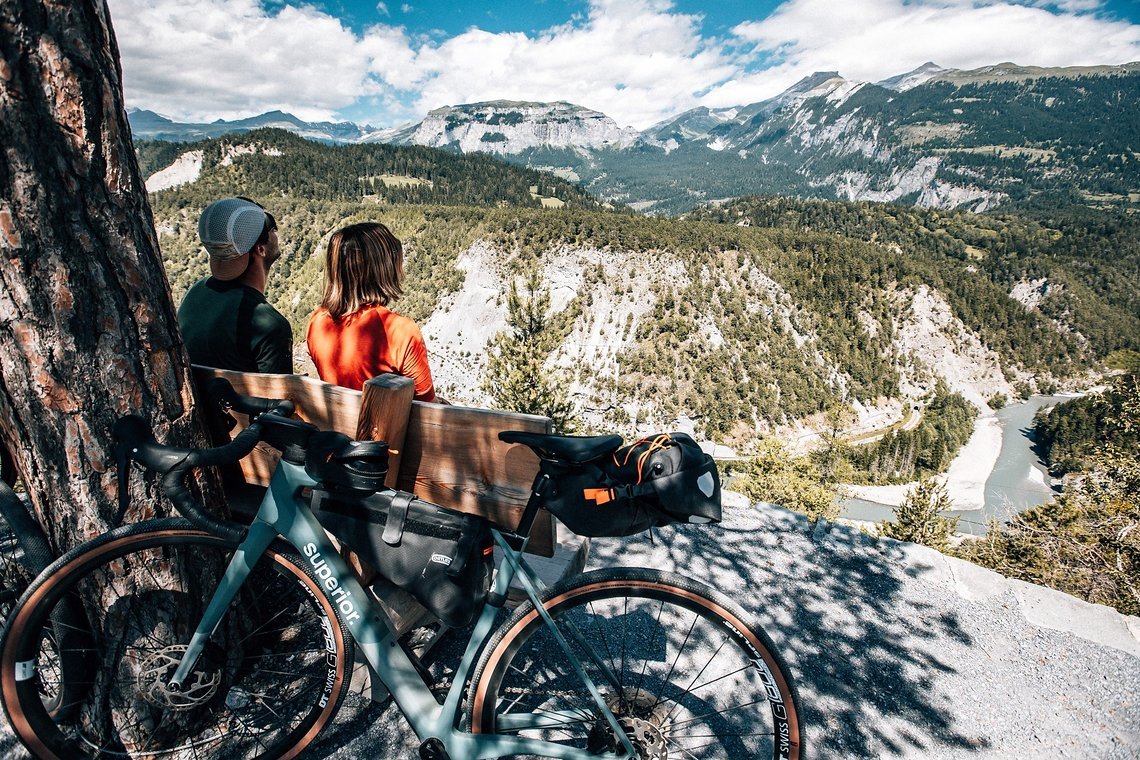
{"type": "Point", "coordinates": [918, 518]}
{"type": "Point", "coordinates": [777, 476]}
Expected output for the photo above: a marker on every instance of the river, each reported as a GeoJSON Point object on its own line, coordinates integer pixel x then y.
{"type": "Point", "coordinates": [1017, 482]}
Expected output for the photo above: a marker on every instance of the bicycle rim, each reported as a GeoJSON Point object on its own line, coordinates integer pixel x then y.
{"type": "Point", "coordinates": [270, 678]}
{"type": "Point", "coordinates": [684, 674]}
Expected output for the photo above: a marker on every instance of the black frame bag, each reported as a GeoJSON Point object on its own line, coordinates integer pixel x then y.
{"type": "Point", "coordinates": [657, 481]}
{"type": "Point", "coordinates": [442, 558]}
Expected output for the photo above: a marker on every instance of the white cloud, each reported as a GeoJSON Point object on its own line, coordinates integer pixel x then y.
{"type": "Point", "coordinates": [636, 60]}
{"type": "Point", "coordinates": [382, 9]}
{"type": "Point", "coordinates": [633, 60]}
{"type": "Point", "coordinates": [195, 59]}
{"type": "Point", "coordinates": [874, 39]}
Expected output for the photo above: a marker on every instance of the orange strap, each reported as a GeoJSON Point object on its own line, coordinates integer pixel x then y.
{"type": "Point", "coordinates": [658, 442]}
{"type": "Point", "coordinates": [599, 495]}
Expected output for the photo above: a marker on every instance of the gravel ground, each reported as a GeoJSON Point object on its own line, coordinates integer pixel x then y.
{"type": "Point", "coordinates": [896, 653]}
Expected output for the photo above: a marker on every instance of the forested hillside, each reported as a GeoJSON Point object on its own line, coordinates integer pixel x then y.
{"type": "Point", "coordinates": [275, 163]}
{"type": "Point", "coordinates": [813, 306]}
{"type": "Point", "coordinates": [1077, 268]}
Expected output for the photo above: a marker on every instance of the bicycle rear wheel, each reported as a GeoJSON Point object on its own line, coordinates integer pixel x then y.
{"type": "Point", "coordinates": [270, 679]}
{"type": "Point", "coordinates": [676, 662]}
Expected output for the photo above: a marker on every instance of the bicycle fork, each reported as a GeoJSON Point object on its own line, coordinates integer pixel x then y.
{"type": "Point", "coordinates": [257, 541]}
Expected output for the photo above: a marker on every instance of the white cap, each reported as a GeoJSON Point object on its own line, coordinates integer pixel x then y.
{"type": "Point", "coordinates": [229, 229]}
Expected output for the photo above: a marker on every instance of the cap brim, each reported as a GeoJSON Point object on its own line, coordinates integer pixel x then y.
{"type": "Point", "coordinates": [230, 269]}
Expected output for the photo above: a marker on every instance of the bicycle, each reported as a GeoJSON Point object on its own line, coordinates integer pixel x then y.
{"type": "Point", "coordinates": [619, 662]}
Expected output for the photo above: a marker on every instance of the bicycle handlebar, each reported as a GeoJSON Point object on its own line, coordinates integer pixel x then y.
{"type": "Point", "coordinates": [224, 394]}
{"type": "Point", "coordinates": [136, 442]}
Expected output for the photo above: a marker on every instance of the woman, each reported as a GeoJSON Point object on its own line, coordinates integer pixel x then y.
{"type": "Point", "coordinates": [353, 336]}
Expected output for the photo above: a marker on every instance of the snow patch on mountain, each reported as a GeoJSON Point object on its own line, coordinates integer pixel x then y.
{"type": "Point", "coordinates": [912, 79]}
{"type": "Point", "coordinates": [843, 90]}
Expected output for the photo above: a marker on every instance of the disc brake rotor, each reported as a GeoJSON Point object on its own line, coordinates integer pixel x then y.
{"type": "Point", "coordinates": [158, 670]}
{"type": "Point", "coordinates": [643, 719]}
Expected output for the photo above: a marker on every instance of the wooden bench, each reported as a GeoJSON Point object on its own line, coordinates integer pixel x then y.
{"type": "Point", "coordinates": [449, 455]}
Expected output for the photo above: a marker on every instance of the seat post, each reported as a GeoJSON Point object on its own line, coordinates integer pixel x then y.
{"type": "Point", "coordinates": [517, 538]}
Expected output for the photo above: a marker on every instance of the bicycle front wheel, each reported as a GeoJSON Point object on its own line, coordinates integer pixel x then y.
{"type": "Point", "coordinates": [677, 663]}
{"type": "Point", "coordinates": [269, 680]}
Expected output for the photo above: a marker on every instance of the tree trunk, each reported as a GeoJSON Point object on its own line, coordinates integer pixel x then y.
{"type": "Point", "coordinates": [87, 328]}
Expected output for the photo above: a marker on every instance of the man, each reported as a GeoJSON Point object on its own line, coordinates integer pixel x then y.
{"type": "Point", "coordinates": [225, 320]}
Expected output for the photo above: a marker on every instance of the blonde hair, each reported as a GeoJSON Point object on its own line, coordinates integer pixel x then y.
{"type": "Point", "coordinates": [364, 266]}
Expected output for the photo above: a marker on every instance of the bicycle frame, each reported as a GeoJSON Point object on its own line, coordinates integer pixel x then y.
{"type": "Point", "coordinates": [284, 513]}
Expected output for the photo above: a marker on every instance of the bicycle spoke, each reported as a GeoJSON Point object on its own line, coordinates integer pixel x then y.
{"type": "Point", "coordinates": [696, 718]}
{"type": "Point", "coordinates": [680, 650]}
{"type": "Point", "coordinates": [656, 629]}
{"type": "Point", "coordinates": [689, 689]}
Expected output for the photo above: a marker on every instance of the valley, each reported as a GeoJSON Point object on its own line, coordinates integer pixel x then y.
{"type": "Point", "coordinates": [746, 330]}
{"type": "Point", "coordinates": [744, 315]}
{"type": "Point", "coordinates": [984, 265]}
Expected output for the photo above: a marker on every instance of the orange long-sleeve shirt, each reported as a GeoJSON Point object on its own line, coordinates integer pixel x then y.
{"type": "Point", "coordinates": [351, 350]}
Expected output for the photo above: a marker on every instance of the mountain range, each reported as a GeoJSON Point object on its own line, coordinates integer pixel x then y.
{"type": "Point", "coordinates": [998, 136]}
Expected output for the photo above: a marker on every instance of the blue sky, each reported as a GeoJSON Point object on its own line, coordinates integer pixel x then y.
{"type": "Point", "coordinates": [639, 61]}
{"type": "Point", "coordinates": [452, 18]}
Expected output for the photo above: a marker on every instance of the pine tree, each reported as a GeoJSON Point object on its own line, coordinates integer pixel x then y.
{"type": "Point", "coordinates": [516, 378]}
{"type": "Point", "coordinates": [918, 519]}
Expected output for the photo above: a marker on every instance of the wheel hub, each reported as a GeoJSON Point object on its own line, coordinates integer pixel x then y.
{"type": "Point", "coordinates": [643, 719]}
{"type": "Point", "coordinates": [154, 680]}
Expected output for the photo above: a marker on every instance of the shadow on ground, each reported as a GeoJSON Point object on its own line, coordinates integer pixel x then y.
{"type": "Point", "coordinates": [860, 648]}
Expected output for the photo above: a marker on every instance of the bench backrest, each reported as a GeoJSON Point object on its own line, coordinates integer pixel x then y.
{"type": "Point", "coordinates": [450, 455]}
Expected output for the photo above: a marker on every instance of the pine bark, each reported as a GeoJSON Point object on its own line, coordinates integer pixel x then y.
{"type": "Point", "coordinates": [88, 331]}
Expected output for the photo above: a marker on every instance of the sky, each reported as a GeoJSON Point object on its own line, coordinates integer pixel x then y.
{"type": "Point", "coordinates": [389, 62]}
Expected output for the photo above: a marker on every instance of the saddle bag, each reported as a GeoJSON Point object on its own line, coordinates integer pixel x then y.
{"type": "Point", "coordinates": [657, 481]}
{"type": "Point", "coordinates": [442, 558]}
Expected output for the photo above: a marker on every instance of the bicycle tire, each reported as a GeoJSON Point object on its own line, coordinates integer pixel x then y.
{"type": "Point", "coordinates": [24, 549]}
{"type": "Point", "coordinates": [694, 679]}
{"type": "Point", "coordinates": [265, 690]}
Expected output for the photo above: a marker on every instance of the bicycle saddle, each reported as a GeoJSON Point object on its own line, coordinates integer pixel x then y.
{"type": "Point", "coordinates": [573, 449]}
